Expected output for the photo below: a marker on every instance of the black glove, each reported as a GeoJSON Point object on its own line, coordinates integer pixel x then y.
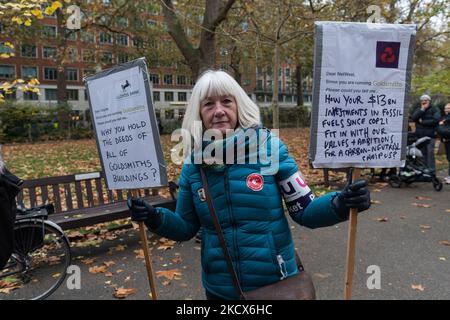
{"type": "Point", "coordinates": [141, 210]}
{"type": "Point", "coordinates": [355, 195]}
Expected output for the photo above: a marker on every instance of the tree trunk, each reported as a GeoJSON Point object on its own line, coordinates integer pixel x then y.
{"type": "Point", "coordinates": [235, 64]}
{"type": "Point", "coordinates": [298, 79]}
{"type": "Point", "coordinates": [203, 57]}
{"type": "Point", "coordinates": [207, 37]}
{"type": "Point", "coordinates": [275, 107]}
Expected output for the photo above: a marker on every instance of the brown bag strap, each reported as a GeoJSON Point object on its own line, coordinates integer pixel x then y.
{"type": "Point", "coordinates": [219, 231]}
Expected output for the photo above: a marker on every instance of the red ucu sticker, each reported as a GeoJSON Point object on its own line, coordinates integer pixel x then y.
{"type": "Point", "coordinates": [255, 182]}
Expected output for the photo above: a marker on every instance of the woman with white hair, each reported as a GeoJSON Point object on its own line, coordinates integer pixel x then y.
{"type": "Point", "coordinates": [240, 172]}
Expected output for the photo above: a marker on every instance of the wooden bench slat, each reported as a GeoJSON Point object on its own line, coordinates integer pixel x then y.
{"type": "Point", "coordinates": [44, 191]}
{"type": "Point", "coordinates": [111, 197]}
{"type": "Point", "coordinates": [79, 194]}
{"type": "Point", "coordinates": [90, 195]}
{"type": "Point", "coordinates": [68, 196]}
{"type": "Point", "coordinates": [119, 195]}
{"type": "Point", "coordinates": [32, 197]}
{"type": "Point", "coordinates": [56, 198]}
{"type": "Point", "coordinates": [98, 187]}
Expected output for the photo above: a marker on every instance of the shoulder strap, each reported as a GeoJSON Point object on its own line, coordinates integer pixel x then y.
{"type": "Point", "coordinates": [220, 235]}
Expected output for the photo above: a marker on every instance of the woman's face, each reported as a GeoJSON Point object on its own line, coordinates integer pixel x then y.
{"type": "Point", "coordinates": [447, 109]}
{"type": "Point", "coordinates": [219, 113]}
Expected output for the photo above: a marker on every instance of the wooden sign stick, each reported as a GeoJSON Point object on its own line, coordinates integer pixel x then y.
{"type": "Point", "coordinates": [148, 261]}
{"type": "Point", "coordinates": [351, 245]}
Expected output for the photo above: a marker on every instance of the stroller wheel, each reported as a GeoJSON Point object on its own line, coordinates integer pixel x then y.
{"type": "Point", "coordinates": [437, 184]}
{"type": "Point", "coordinates": [395, 181]}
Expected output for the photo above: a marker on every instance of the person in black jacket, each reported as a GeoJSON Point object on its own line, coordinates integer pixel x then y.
{"type": "Point", "coordinates": [9, 188]}
{"type": "Point", "coordinates": [427, 120]}
{"type": "Point", "coordinates": [444, 131]}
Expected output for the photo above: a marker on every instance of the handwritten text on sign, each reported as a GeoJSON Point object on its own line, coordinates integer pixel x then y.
{"type": "Point", "coordinates": [124, 131]}
{"type": "Point", "coordinates": [361, 86]}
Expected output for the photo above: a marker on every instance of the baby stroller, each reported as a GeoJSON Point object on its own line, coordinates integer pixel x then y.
{"type": "Point", "coordinates": [415, 169]}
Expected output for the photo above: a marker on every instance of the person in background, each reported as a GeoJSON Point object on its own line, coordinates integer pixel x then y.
{"type": "Point", "coordinates": [427, 119]}
{"type": "Point", "coordinates": [444, 132]}
{"type": "Point", "coordinates": [9, 188]}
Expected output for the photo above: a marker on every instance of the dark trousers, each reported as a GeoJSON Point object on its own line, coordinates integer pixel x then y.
{"type": "Point", "coordinates": [428, 154]}
{"type": "Point", "coordinates": [447, 152]}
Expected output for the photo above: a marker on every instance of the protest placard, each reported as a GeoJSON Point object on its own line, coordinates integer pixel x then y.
{"type": "Point", "coordinates": [362, 76]}
{"type": "Point", "coordinates": [125, 127]}
{"type": "Point", "coordinates": [127, 134]}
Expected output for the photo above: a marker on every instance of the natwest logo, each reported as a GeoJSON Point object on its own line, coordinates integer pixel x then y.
{"type": "Point", "coordinates": [127, 88]}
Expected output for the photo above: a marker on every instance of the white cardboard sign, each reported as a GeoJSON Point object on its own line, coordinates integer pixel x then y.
{"type": "Point", "coordinates": [362, 76]}
{"type": "Point", "coordinates": [126, 128]}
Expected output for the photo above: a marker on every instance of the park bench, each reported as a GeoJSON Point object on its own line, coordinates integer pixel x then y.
{"type": "Point", "coordinates": [82, 200]}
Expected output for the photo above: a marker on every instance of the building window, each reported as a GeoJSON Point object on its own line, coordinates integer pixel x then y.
{"type": "Point", "coordinates": [48, 52]}
{"type": "Point", "coordinates": [71, 74]}
{"type": "Point", "coordinates": [154, 78]}
{"type": "Point", "coordinates": [70, 34]}
{"type": "Point", "coordinates": [288, 72]}
{"type": "Point", "coordinates": [89, 56]}
{"type": "Point", "coordinates": [7, 72]}
{"type": "Point", "coordinates": [182, 96]}
{"type": "Point", "coordinates": [105, 38]}
{"type": "Point", "coordinates": [123, 57]}
{"type": "Point", "coordinates": [51, 95]}
{"type": "Point", "coordinates": [107, 57]}
{"type": "Point", "coordinates": [246, 82]}
{"type": "Point", "coordinates": [122, 40]}
{"type": "Point", "coordinates": [88, 72]}
{"type": "Point", "coordinates": [87, 37]}
{"type": "Point", "coordinates": [122, 22]}
{"type": "Point", "coordinates": [181, 80]}
{"type": "Point", "coordinates": [29, 72]}
{"type": "Point", "coordinates": [28, 51]}
{"type": "Point", "coordinates": [169, 114]}
{"type": "Point", "coordinates": [167, 79]}
{"type": "Point", "coordinates": [6, 49]}
{"type": "Point", "coordinates": [49, 31]}
{"type": "Point", "coordinates": [72, 94]}
{"type": "Point", "coordinates": [151, 23]}
{"type": "Point", "coordinates": [168, 96]}
{"type": "Point", "coordinates": [9, 96]}
{"type": "Point", "coordinates": [50, 74]}
{"type": "Point", "coordinates": [29, 95]}
{"type": "Point", "coordinates": [138, 42]}
{"type": "Point", "coordinates": [156, 96]}
{"type": "Point", "coordinates": [259, 85]}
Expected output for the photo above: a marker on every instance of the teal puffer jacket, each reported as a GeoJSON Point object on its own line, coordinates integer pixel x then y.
{"type": "Point", "coordinates": [252, 219]}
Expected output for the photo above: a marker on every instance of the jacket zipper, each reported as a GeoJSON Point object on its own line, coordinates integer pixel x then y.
{"type": "Point", "coordinates": [233, 223]}
{"type": "Point", "coordinates": [282, 266]}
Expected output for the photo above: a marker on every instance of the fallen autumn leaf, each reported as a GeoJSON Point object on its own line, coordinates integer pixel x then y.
{"type": "Point", "coordinates": [122, 293]}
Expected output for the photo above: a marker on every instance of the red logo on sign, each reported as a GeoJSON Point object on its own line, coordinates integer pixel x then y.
{"type": "Point", "coordinates": [388, 55]}
{"type": "Point", "coordinates": [255, 182]}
